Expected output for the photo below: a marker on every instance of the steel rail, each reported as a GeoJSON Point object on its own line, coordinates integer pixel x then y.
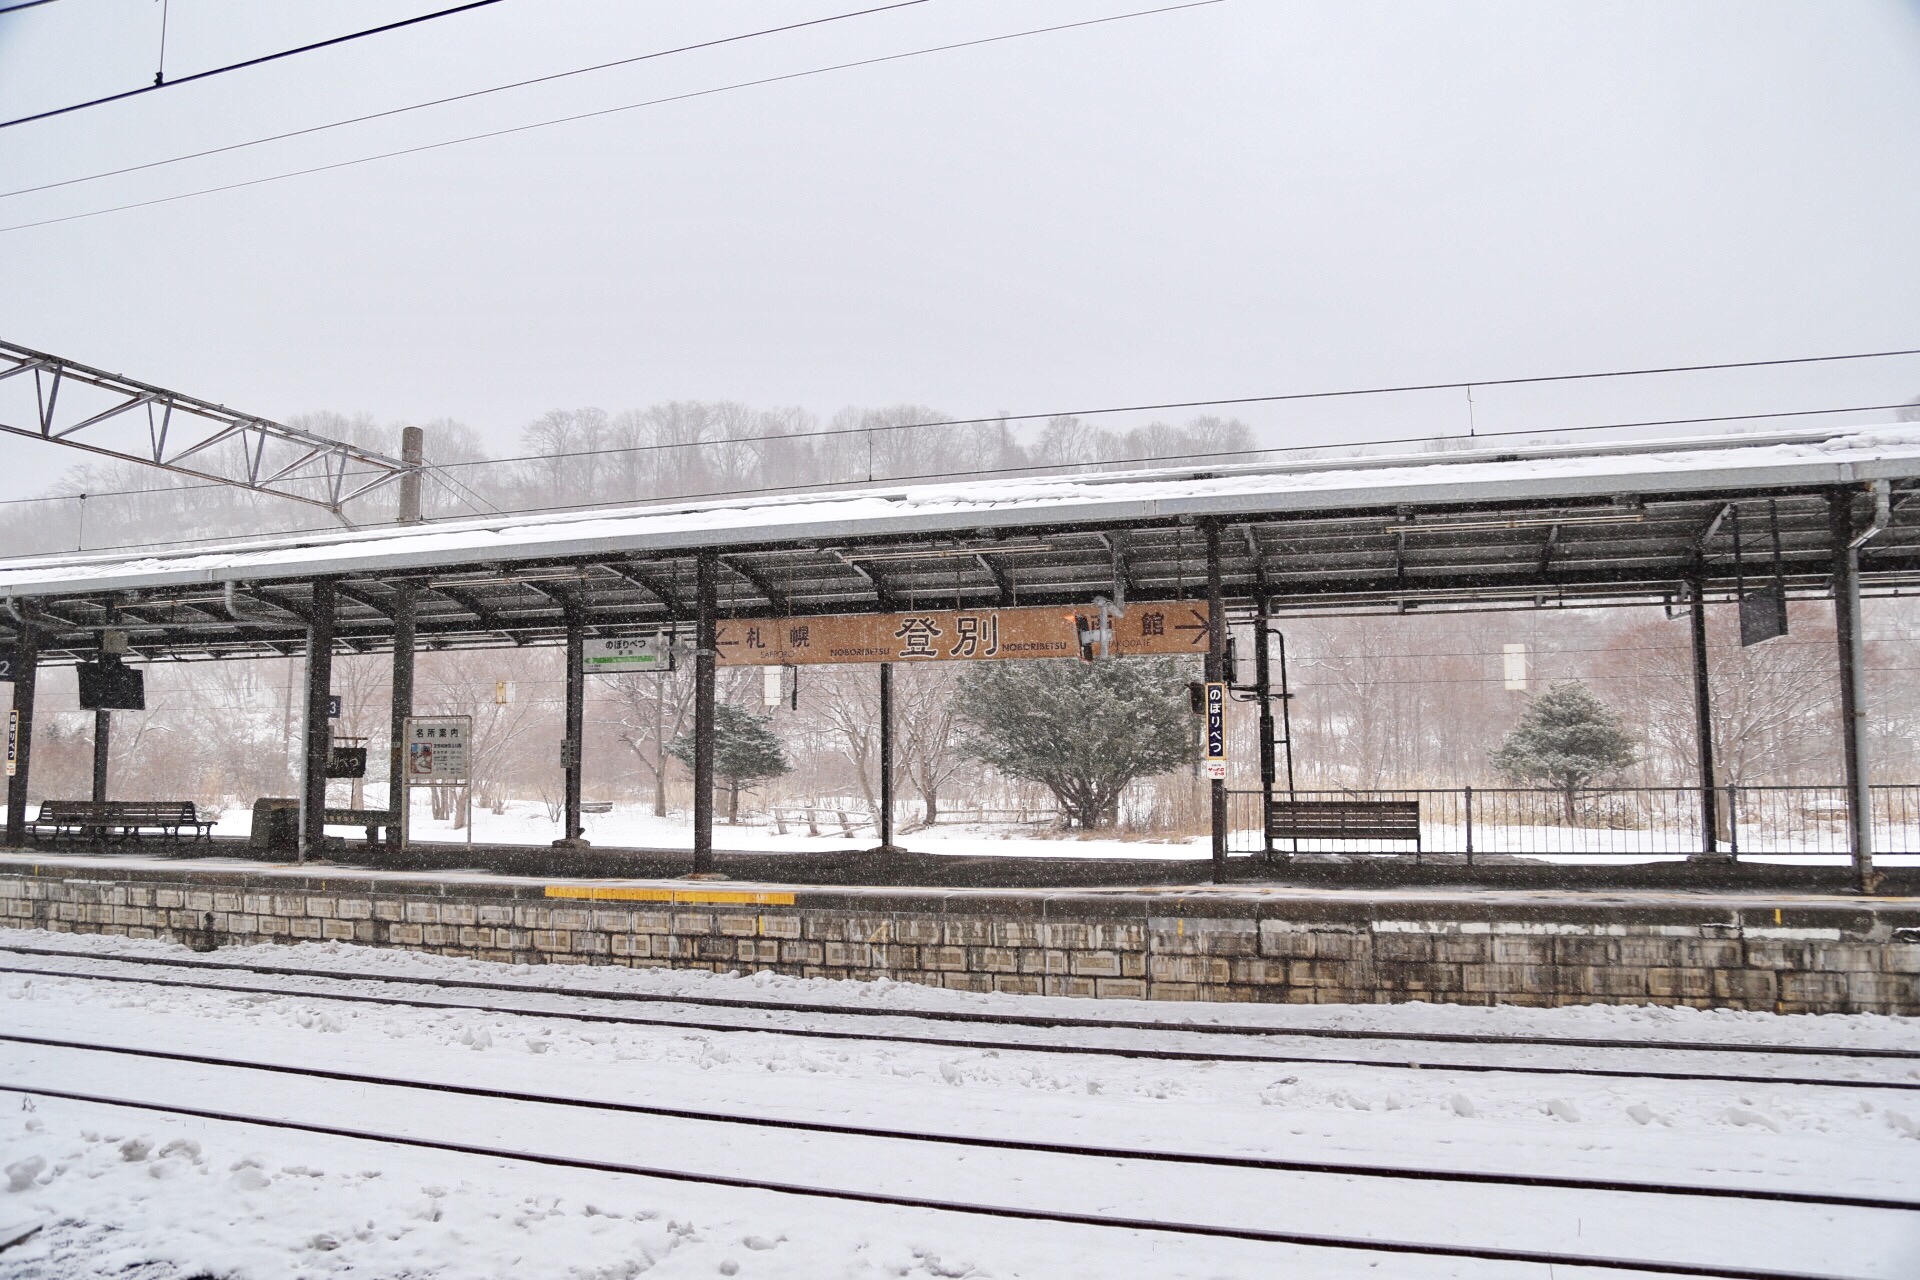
{"type": "Point", "coordinates": [1212, 1160]}
{"type": "Point", "coordinates": [996, 1019]}
{"type": "Point", "coordinates": [954, 1042]}
{"type": "Point", "coordinates": [1003, 1212]}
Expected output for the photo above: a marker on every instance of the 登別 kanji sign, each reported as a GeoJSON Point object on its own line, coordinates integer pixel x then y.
{"type": "Point", "coordinates": [961, 635]}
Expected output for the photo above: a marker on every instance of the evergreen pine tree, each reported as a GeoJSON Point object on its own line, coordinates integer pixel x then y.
{"type": "Point", "coordinates": [1566, 737]}
{"type": "Point", "coordinates": [1082, 730]}
{"type": "Point", "coordinates": [745, 750]}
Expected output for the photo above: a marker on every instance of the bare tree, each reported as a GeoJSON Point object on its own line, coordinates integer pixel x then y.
{"type": "Point", "coordinates": [927, 746]}
{"type": "Point", "coordinates": [1773, 703]}
{"type": "Point", "coordinates": [650, 711]}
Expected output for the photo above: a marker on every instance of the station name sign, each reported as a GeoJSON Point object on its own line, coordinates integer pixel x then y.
{"type": "Point", "coordinates": [958, 635]}
{"type": "Point", "coordinates": [628, 653]}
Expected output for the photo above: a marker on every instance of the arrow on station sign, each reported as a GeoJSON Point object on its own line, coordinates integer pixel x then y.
{"type": "Point", "coordinates": [1198, 626]}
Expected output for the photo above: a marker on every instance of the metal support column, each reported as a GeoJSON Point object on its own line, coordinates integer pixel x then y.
{"type": "Point", "coordinates": [26, 666]}
{"type": "Point", "coordinates": [413, 452]}
{"type": "Point", "coordinates": [1703, 715]}
{"type": "Point", "coordinates": [704, 659]}
{"type": "Point", "coordinates": [102, 744]}
{"type": "Point", "coordinates": [318, 738]}
{"type": "Point", "coordinates": [1263, 685]}
{"type": "Point", "coordinates": [102, 729]}
{"type": "Point", "coordinates": [1216, 666]}
{"type": "Point", "coordinates": [573, 735]}
{"type": "Point", "coordinates": [1853, 711]}
{"type": "Point", "coordinates": [405, 598]}
{"type": "Point", "coordinates": [885, 819]}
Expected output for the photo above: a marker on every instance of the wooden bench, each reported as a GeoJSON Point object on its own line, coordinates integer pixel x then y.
{"type": "Point", "coordinates": [88, 819]}
{"type": "Point", "coordinates": [1345, 820]}
{"type": "Point", "coordinates": [373, 821]}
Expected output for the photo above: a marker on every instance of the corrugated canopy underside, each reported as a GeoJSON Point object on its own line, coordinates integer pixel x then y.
{"type": "Point", "coordinates": [1547, 525]}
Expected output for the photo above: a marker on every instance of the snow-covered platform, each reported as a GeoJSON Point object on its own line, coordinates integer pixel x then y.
{"type": "Point", "coordinates": [1769, 949]}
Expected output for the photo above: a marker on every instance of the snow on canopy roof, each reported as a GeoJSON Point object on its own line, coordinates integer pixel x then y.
{"type": "Point", "coordinates": [1303, 486]}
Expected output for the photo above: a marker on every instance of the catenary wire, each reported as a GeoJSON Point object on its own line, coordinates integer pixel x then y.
{"type": "Point", "coordinates": [1090, 465]}
{"type": "Point", "coordinates": [263, 59]}
{"type": "Point", "coordinates": [456, 97]}
{"type": "Point", "coordinates": [608, 111]}
{"type": "Point", "coordinates": [23, 4]}
{"type": "Point", "coordinates": [1121, 462]}
{"type": "Point", "coordinates": [1104, 469]}
{"type": "Point", "coordinates": [1348, 392]}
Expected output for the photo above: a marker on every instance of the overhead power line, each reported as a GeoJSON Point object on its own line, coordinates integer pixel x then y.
{"type": "Point", "coordinates": [1347, 392]}
{"type": "Point", "coordinates": [608, 111]}
{"type": "Point", "coordinates": [250, 62]}
{"type": "Point", "coordinates": [23, 4]}
{"type": "Point", "coordinates": [1105, 468]}
{"type": "Point", "coordinates": [461, 97]}
{"type": "Point", "coordinates": [657, 446]}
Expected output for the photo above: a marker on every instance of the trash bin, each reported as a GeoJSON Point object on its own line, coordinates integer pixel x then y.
{"type": "Point", "coordinates": [276, 824]}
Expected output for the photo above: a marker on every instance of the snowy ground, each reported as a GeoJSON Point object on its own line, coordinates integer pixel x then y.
{"type": "Point", "coordinates": [636, 827]}
{"type": "Point", "coordinates": [126, 1192]}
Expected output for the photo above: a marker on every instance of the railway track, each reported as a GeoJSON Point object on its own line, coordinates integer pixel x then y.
{"type": "Point", "coordinates": [980, 1017]}
{"type": "Point", "coordinates": [90, 968]}
{"type": "Point", "coordinates": [1261, 1163]}
{"type": "Point", "coordinates": [1573, 1262]}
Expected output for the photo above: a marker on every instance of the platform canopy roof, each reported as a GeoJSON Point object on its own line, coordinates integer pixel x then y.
{"type": "Point", "coordinates": [1544, 524]}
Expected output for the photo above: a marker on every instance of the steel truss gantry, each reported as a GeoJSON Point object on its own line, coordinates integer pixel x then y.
{"type": "Point", "coordinates": [116, 417]}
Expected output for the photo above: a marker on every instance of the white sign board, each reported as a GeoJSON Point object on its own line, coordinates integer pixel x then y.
{"type": "Point", "coordinates": [1514, 666]}
{"type": "Point", "coordinates": [629, 653]}
{"type": "Point", "coordinates": [437, 748]}
{"type": "Point", "coordinates": [13, 743]}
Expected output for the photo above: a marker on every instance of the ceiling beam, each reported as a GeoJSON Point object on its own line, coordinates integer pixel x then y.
{"type": "Point", "coordinates": [654, 585]}
{"type": "Point", "coordinates": [777, 600]}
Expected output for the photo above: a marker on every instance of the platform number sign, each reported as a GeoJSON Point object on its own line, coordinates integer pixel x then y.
{"type": "Point", "coordinates": [1215, 762]}
{"type": "Point", "coordinates": [7, 659]}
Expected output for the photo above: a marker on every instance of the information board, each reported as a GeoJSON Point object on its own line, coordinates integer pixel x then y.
{"type": "Point", "coordinates": [944, 635]}
{"type": "Point", "coordinates": [13, 742]}
{"type": "Point", "coordinates": [628, 653]}
{"type": "Point", "coordinates": [437, 748]}
{"type": "Point", "coordinates": [1214, 763]}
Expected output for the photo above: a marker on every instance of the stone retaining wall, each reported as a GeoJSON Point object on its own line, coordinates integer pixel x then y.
{"type": "Point", "coordinates": [1297, 948]}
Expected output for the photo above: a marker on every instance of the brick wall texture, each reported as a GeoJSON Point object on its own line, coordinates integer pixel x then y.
{"type": "Point", "coordinates": [1799, 958]}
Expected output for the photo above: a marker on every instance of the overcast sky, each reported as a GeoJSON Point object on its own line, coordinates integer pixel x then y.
{"type": "Point", "coordinates": [1245, 198]}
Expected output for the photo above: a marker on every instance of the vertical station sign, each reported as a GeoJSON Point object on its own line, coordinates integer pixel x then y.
{"type": "Point", "coordinates": [1214, 763]}
{"type": "Point", "coordinates": [13, 743]}
{"type": "Point", "coordinates": [437, 749]}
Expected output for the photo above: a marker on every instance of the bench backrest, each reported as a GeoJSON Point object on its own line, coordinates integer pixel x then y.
{"type": "Point", "coordinates": [118, 811]}
{"type": "Point", "coordinates": [1345, 819]}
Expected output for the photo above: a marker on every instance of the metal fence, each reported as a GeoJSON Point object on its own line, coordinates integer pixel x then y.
{"type": "Point", "coordinates": [1606, 822]}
